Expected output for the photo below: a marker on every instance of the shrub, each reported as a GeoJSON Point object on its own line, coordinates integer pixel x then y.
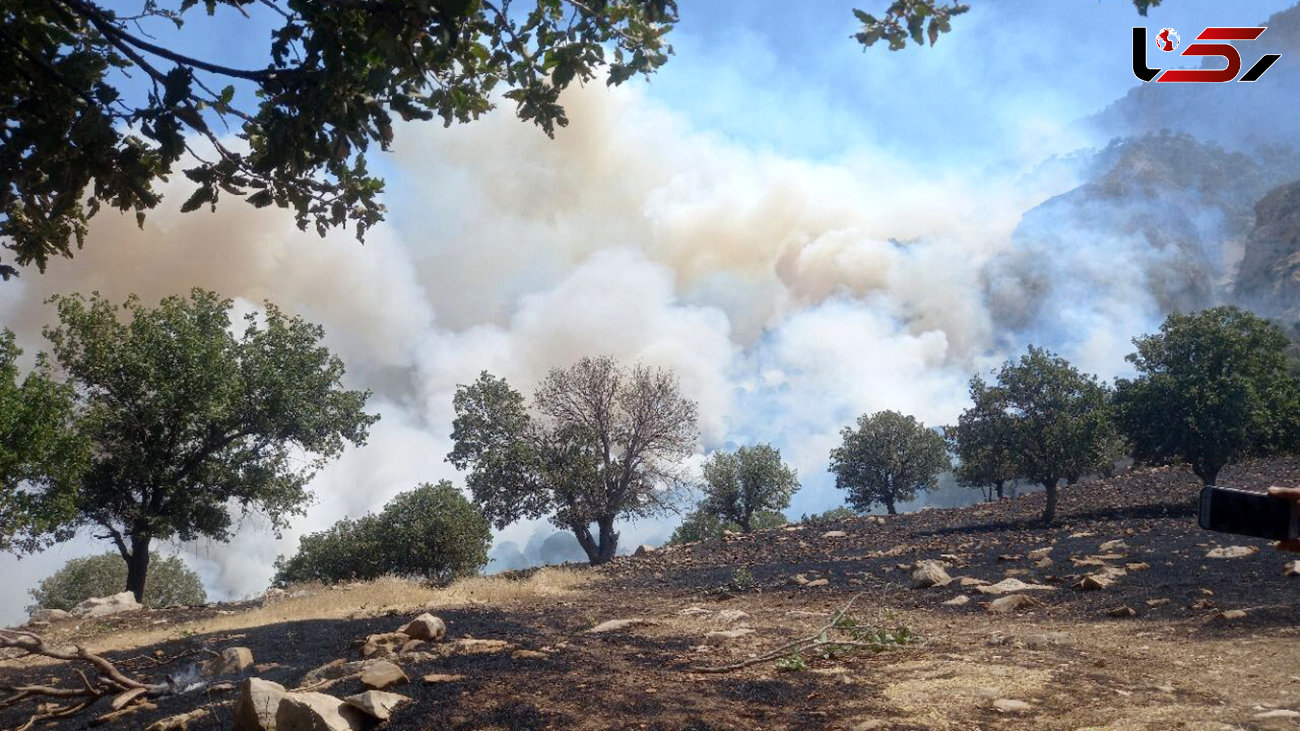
{"type": "Point", "coordinates": [834, 515]}
{"type": "Point", "coordinates": [170, 582]}
{"type": "Point", "coordinates": [431, 533]}
{"type": "Point", "coordinates": [699, 525]}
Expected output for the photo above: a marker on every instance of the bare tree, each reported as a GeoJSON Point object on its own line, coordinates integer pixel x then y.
{"type": "Point", "coordinates": [605, 442]}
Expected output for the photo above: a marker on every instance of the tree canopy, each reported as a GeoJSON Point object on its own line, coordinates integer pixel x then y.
{"type": "Point", "coordinates": [701, 525]}
{"type": "Point", "coordinates": [431, 532]}
{"type": "Point", "coordinates": [982, 442]}
{"type": "Point", "coordinates": [42, 455]}
{"type": "Point", "coordinates": [1212, 387]}
{"type": "Point", "coordinates": [605, 443]}
{"type": "Point", "coordinates": [750, 480]}
{"type": "Point", "coordinates": [188, 422]}
{"type": "Point", "coordinates": [170, 583]}
{"type": "Point", "coordinates": [887, 459]}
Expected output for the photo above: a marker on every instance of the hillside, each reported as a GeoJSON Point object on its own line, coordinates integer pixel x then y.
{"type": "Point", "coordinates": [1154, 649]}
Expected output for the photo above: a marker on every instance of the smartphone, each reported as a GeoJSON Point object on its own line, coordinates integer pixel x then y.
{"type": "Point", "coordinates": [1248, 514]}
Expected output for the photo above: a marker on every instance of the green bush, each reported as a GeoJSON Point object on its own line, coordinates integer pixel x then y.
{"type": "Point", "coordinates": [170, 582]}
{"type": "Point", "coordinates": [431, 533]}
{"type": "Point", "coordinates": [834, 515]}
{"type": "Point", "coordinates": [699, 525]}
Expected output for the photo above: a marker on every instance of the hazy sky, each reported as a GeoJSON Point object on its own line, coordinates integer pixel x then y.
{"type": "Point", "coordinates": [794, 225]}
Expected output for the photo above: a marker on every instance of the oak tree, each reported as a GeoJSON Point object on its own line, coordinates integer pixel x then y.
{"type": "Point", "coordinates": [740, 484]}
{"type": "Point", "coordinates": [887, 459]}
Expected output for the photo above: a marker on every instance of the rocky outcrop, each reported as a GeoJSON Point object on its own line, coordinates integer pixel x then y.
{"type": "Point", "coordinates": [1268, 280]}
{"type": "Point", "coordinates": [103, 606]}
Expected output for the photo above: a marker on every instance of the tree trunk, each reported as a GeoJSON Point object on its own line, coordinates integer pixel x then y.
{"type": "Point", "coordinates": [999, 486]}
{"type": "Point", "coordinates": [137, 566]}
{"type": "Point", "coordinates": [1209, 473]}
{"type": "Point", "coordinates": [608, 539]}
{"type": "Point", "coordinates": [889, 505]}
{"type": "Point", "coordinates": [1049, 509]}
{"type": "Point", "coordinates": [746, 523]}
{"type": "Point", "coordinates": [583, 534]}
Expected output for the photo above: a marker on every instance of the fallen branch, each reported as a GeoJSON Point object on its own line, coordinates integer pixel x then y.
{"type": "Point", "coordinates": [108, 680]}
{"type": "Point", "coordinates": [818, 641]}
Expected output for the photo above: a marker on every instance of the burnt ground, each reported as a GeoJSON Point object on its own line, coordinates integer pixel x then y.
{"type": "Point", "coordinates": [1174, 664]}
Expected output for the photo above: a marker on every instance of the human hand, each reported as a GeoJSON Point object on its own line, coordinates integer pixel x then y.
{"type": "Point", "coordinates": [1291, 494]}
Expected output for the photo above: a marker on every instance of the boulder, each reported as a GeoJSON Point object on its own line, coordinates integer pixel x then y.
{"type": "Point", "coordinates": [51, 615]}
{"type": "Point", "coordinates": [232, 660]}
{"type": "Point", "coordinates": [929, 573]}
{"type": "Point", "coordinates": [425, 627]}
{"type": "Point", "coordinates": [1007, 586]}
{"type": "Point", "coordinates": [259, 701]}
{"type": "Point", "coordinates": [1011, 603]}
{"type": "Point", "coordinates": [958, 601]}
{"type": "Point", "coordinates": [376, 703]}
{"type": "Point", "coordinates": [102, 606]}
{"type": "Point", "coordinates": [613, 625]}
{"type": "Point", "coordinates": [381, 675]}
{"type": "Point", "coordinates": [643, 549]}
{"type": "Point", "coordinates": [1093, 582]}
{"type": "Point", "coordinates": [318, 712]}
{"type": "Point", "coordinates": [1232, 552]}
{"type": "Point", "coordinates": [383, 644]}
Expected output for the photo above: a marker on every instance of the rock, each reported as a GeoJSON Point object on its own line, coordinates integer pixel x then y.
{"type": "Point", "coordinates": [730, 616]}
{"type": "Point", "coordinates": [1039, 553]}
{"type": "Point", "coordinates": [318, 712]}
{"type": "Point", "coordinates": [1157, 602]}
{"type": "Point", "coordinates": [1093, 582]}
{"type": "Point", "coordinates": [51, 615]}
{"type": "Point", "coordinates": [381, 675]}
{"type": "Point", "coordinates": [1232, 552]}
{"type": "Point", "coordinates": [1009, 557]}
{"type": "Point", "coordinates": [1113, 546]}
{"type": "Point", "coordinates": [874, 724]}
{"type": "Point", "coordinates": [1141, 566]}
{"type": "Point", "coordinates": [971, 581]}
{"type": "Point", "coordinates": [835, 534]}
{"type": "Point", "coordinates": [469, 646]}
{"type": "Point", "coordinates": [1011, 603]}
{"type": "Point", "coordinates": [1007, 586]}
{"type": "Point", "coordinates": [816, 583]}
{"type": "Point", "coordinates": [376, 703]}
{"type": "Point", "coordinates": [1292, 568]}
{"type": "Point", "coordinates": [928, 574]}
{"type": "Point", "coordinates": [613, 625]}
{"type": "Point", "coordinates": [528, 655]}
{"type": "Point", "coordinates": [259, 701]}
{"type": "Point", "coordinates": [1010, 705]}
{"type": "Point", "coordinates": [1279, 713]}
{"type": "Point", "coordinates": [434, 678]}
{"type": "Point", "coordinates": [958, 601]}
{"type": "Point", "coordinates": [274, 595]}
{"type": "Point", "coordinates": [1122, 612]}
{"type": "Point", "coordinates": [694, 611]}
{"type": "Point", "coordinates": [178, 723]}
{"type": "Point", "coordinates": [216, 688]}
{"type": "Point", "coordinates": [232, 660]}
{"type": "Point", "coordinates": [1230, 615]}
{"type": "Point", "coordinates": [383, 644]}
{"type": "Point", "coordinates": [643, 549]}
{"type": "Point", "coordinates": [105, 605]}
{"type": "Point", "coordinates": [425, 627]}
{"type": "Point", "coordinates": [1043, 563]}
{"type": "Point", "coordinates": [413, 646]}
{"type": "Point", "coordinates": [332, 670]}
{"type": "Point", "coordinates": [723, 635]}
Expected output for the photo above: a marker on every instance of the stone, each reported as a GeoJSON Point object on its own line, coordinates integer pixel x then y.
{"type": "Point", "coordinates": [957, 601]}
{"type": "Point", "coordinates": [1009, 557]}
{"type": "Point", "coordinates": [179, 722]}
{"type": "Point", "coordinates": [643, 549]}
{"type": "Point", "coordinates": [382, 674]}
{"type": "Point", "coordinates": [1093, 582]}
{"type": "Point", "coordinates": [971, 581]}
{"type": "Point", "coordinates": [730, 616]}
{"type": "Point", "coordinates": [332, 670]}
{"type": "Point", "coordinates": [232, 660]}
{"type": "Point", "coordinates": [1229, 615]}
{"type": "Point", "coordinates": [816, 583]}
{"type": "Point", "coordinates": [376, 703]}
{"type": "Point", "coordinates": [1039, 553]}
{"type": "Point", "coordinates": [1157, 602]}
{"type": "Point", "coordinates": [318, 712]}
{"type": "Point", "coordinates": [694, 611]}
{"type": "Point", "coordinates": [874, 724]}
{"type": "Point", "coordinates": [435, 678]}
{"type": "Point", "coordinates": [1232, 552]}
{"type": "Point", "coordinates": [835, 534]}
{"type": "Point", "coordinates": [385, 643]}
{"type": "Point", "coordinates": [1292, 568]}
{"type": "Point", "coordinates": [1140, 566]}
{"type": "Point", "coordinates": [425, 627]}
{"type": "Point", "coordinates": [259, 701]}
{"type": "Point", "coordinates": [1279, 713]}
{"type": "Point", "coordinates": [1043, 563]}
{"type": "Point", "coordinates": [1007, 586]}
{"type": "Point", "coordinates": [413, 646]}
{"type": "Point", "coordinates": [1113, 546]}
{"type": "Point", "coordinates": [105, 605]}
{"type": "Point", "coordinates": [274, 595]}
{"type": "Point", "coordinates": [528, 655]}
{"type": "Point", "coordinates": [470, 646]}
{"type": "Point", "coordinates": [1011, 603]}
{"type": "Point", "coordinates": [928, 574]}
{"type": "Point", "coordinates": [723, 635]}
{"type": "Point", "coordinates": [1010, 705]}
{"type": "Point", "coordinates": [613, 625]}
{"type": "Point", "coordinates": [51, 615]}
{"type": "Point", "coordinates": [1122, 612]}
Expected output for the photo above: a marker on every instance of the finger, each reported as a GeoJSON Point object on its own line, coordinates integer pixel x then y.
{"type": "Point", "coordinates": [1286, 493]}
{"type": "Point", "coordinates": [1292, 545]}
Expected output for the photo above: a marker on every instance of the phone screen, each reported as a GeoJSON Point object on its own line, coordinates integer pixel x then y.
{"type": "Point", "coordinates": [1245, 513]}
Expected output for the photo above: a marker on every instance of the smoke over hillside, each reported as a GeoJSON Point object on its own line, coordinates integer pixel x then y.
{"type": "Point", "coordinates": [789, 295]}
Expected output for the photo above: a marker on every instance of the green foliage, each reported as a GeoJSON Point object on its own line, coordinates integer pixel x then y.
{"type": "Point", "coordinates": [887, 459]}
{"type": "Point", "coordinates": [431, 533]}
{"type": "Point", "coordinates": [170, 583]}
{"type": "Point", "coordinates": [741, 581]}
{"type": "Point", "coordinates": [42, 456]}
{"type": "Point", "coordinates": [334, 77]}
{"type": "Point", "coordinates": [605, 444]}
{"type": "Point", "coordinates": [1057, 419]}
{"type": "Point", "coordinates": [982, 442]}
{"type": "Point", "coordinates": [834, 515]}
{"type": "Point", "coordinates": [190, 424]}
{"type": "Point", "coordinates": [1212, 388]}
{"type": "Point", "coordinates": [792, 663]}
{"type": "Point", "coordinates": [701, 525]}
{"type": "Point", "coordinates": [740, 484]}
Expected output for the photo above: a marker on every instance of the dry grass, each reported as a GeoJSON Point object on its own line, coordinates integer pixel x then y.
{"type": "Point", "coordinates": [371, 598]}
